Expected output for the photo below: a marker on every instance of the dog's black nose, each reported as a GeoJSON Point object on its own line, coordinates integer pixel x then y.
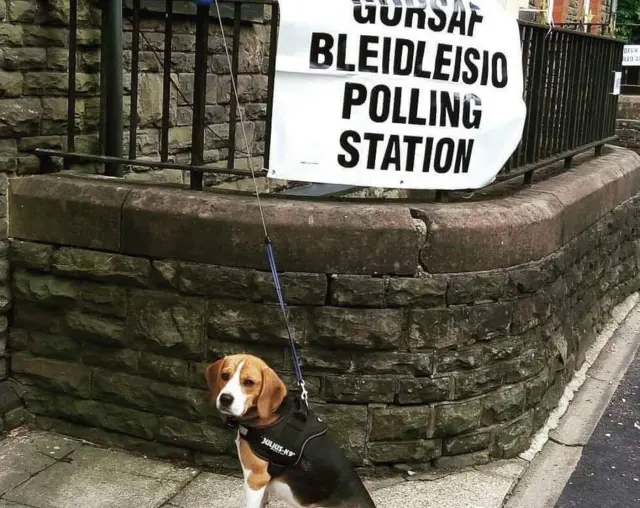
{"type": "Point", "coordinates": [226, 399]}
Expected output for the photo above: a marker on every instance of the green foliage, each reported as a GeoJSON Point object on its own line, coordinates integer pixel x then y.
{"type": "Point", "coordinates": [628, 14]}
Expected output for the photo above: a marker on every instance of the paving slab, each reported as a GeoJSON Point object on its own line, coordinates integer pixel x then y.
{"type": "Point", "coordinates": [470, 489]}
{"type": "Point", "coordinates": [9, 504]}
{"type": "Point", "coordinates": [21, 457]}
{"type": "Point", "coordinates": [97, 459]}
{"type": "Point", "coordinates": [65, 485]}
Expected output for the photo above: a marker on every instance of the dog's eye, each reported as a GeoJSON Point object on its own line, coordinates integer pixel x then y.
{"type": "Point", "coordinates": [225, 376]}
{"type": "Point", "coordinates": [248, 383]}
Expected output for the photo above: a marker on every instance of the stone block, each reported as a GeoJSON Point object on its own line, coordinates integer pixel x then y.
{"type": "Point", "coordinates": [162, 368]}
{"type": "Point", "coordinates": [22, 11]}
{"type": "Point", "coordinates": [478, 355]}
{"type": "Point", "coordinates": [24, 58]}
{"type": "Point", "coordinates": [357, 328]}
{"type": "Point", "coordinates": [20, 117]}
{"type": "Point", "coordinates": [32, 317]}
{"type": "Point", "coordinates": [358, 291]}
{"type": "Point", "coordinates": [457, 417]}
{"type": "Point", "coordinates": [388, 362]}
{"type": "Point", "coordinates": [407, 452]}
{"type": "Point", "coordinates": [104, 299]}
{"type": "Point", "coordinates": [216, 281]}
{"type": "Point", "coordinates": [254, 323]}
{"type": "Point", "coordinates": [121, 360]}
{"type": "Point", "coordinates": [148, 395]}
{"type": "Point", "coordinates": [462, 461]}
{"type": "Point", "coordinates": [11, 35]}
{"type": "Point", "coordinates": [382, 239]}
{"type": "Point", "coordinates": [399, 423]}
{"type": "Point", "coordinates": [18, 339]}
{"type": "Point", "coordinates": [489, 320]}
{"type": "Point", "coordinates": [437, 328]}
{"type": "Point", "coordinates": [9, 399]}
{"type": "Point", "coordinates": [466, 443]}
{"type": "Point", "coordinates": [45, 83]}
{"type": "Point", "coordinates": [57, 59]}
{"type": "Point", "coordinates": [513, 438]}
{"type": "Point", "coordinates": [101, 266]}
{"type": "Point", "coordinates": [530, 312]}
{"type": "Point", "coordinates": [167, 322]}
{"type": "Point", "coordinates": [203, 436]}
{"type": "Point", "coordinates": [68, 211]}
{"type": "Point", "coordinates": [164, 274]}
{"type": "Point", "coordinates": [54, 346]}
{"type": "Point", "coordinates": [11, 84]}
{"type": "Point", "coordinates": [359, 389]}
{"type": "Point", "coordinates": [53, 374]}
{"type": "Point", "coordinates": [476, 286]}
{"type": "Point", "coordinates": [424, 390]}
{"type": "Point", "coordinates": [45, 290]}
{"type": "Point", "coordinates": [504, 405]}
{"type": "Point", "coordinates": [297, 288]}
{"type": "Point", "coordinates": [94, 328]}
{"type": "Point", "coordinates": [485, 235]}
{"type": "Point", "coordinates": [313, 359]}
{"type": "Point", "coordinates": [425, 291]}
{"type": "Point", "coordinates": [273, 355]}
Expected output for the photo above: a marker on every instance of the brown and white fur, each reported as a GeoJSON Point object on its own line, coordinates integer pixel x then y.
{"type": "Point", "coordinates": [247, 389]}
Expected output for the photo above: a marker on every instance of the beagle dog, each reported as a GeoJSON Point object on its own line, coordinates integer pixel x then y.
{"type": "Point", "coordinates": [309, 470]}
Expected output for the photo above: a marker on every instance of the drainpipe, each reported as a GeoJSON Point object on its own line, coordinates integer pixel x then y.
{"type": "Point", "coordinates": [112, 34]}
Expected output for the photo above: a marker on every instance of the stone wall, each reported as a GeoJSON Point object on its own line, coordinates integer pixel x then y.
{"type": "Point", "coordinates": [628, 122]}
{"type": "Point", "coordinates": [430, 334]}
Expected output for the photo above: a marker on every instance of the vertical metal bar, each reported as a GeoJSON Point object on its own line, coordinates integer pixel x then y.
{"type": "Point", "coordinates": [113, 67]}
{"type": "Point", "coordinates": [601, 91]}
{"type": "Point", "coordinates": [271, 75]}
{"type": "Point", "coordinates": [564, 94]}
{"type": "Point", "coordinates": [537, 90]}
{"type": "Point", "coordinates": [102, 128]}
{"type": "Point", "coordinates": [71, 100]}
{"type": "Point", "coordinates": [527, 58]}
{"type": "Point", "coordinates": [166, 81]}
{"type": "Point", "coordinates": [199, 94]}
{"type": "Point", "coordinates": [135, 58]}
{"type": "Point", "coordinates": [231, 157]}
{"type": "Point", "coordinates": [574, 58]}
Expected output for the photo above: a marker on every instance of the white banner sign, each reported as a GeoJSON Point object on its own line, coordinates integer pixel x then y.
{"type": "Point", "coordinates": [420, 94]}
{"type": "Point", "coordinates": [631, 55]}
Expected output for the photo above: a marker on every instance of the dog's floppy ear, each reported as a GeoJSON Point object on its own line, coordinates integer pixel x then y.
{"type": "Point", "coordinates": [211, 374]}
{"type": "Point", "coordinates": [272, 393]}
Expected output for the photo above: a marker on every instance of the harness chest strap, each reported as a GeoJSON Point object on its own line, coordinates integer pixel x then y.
{"type": "Point", "coordinates": [282, 443]}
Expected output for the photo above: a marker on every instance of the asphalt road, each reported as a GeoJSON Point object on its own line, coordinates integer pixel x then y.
{"type": "Point", "coordinates": [608, 474]}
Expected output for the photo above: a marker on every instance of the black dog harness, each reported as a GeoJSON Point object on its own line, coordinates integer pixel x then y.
{"type": "Point", "coordinates": [282, 443]}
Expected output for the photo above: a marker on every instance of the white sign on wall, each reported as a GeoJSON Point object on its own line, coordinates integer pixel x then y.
{"type": "Point", "coordinates": [617, 82]}
{"type": "Point", "coordinates": [422, 94]}
{"type": "Point", "coordinates": [631, 55]}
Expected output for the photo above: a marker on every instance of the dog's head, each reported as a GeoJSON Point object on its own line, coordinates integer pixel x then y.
{"type": "Point", "coordinates": [240, 383]}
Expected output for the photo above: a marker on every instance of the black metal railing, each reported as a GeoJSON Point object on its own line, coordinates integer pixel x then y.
{"type": "Point", "coordinates": [568, 83]}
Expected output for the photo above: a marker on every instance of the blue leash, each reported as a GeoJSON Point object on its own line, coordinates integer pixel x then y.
{"type": "Point", "coordinates": [283, 307]}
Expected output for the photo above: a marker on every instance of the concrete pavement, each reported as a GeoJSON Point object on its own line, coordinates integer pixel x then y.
{"type": "Point", "coordinates": [44, 470]}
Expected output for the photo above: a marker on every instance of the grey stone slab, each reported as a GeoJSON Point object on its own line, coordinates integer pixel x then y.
{"type": "Point", "coordinates": [19, 460]}
{"type": "Point", "coordinates": [470, 489]}
{"type": "Point", "coordinates": [10, 478]}
{"type": "Point", "coordinates": [9, 504]}
{"type": "Point", "coordinates": [209, 490]}
{"type": "Point", "coordinates": [66, 485]}
{"type": "Point", "coordinates": [53, 445]}
{"type": "Point", "coordinates": [97, 459]}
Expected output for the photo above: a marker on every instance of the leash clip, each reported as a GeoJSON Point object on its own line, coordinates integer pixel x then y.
{"type": "Point", "coordinates": [304, 395]}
